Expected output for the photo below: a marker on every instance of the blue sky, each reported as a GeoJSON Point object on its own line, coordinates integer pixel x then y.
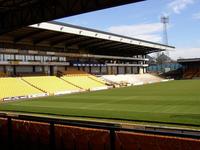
{"type": "Point", "coordinates": [142, 20]}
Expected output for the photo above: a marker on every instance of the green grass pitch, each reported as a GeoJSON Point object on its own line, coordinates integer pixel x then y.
{"type": "Point", "coordinates": [169, 102]}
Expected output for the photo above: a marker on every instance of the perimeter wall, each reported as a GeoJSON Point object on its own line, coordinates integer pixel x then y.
{"type": "Point", "coordinates": [28, 134]}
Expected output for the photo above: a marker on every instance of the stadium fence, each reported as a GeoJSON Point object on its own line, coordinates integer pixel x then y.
{"type": "Point", "coordinates": [33, 132]}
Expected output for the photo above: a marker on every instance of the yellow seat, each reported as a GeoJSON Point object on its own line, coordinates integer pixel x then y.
{"type": "Point", "coordinates": [97, 79]}
{"type": "Point", "coordinates": [84, 82]}
{"type": "Point", "coordinates": [50, 84]}
{"type": "Point", "coordinates": [13, 87]}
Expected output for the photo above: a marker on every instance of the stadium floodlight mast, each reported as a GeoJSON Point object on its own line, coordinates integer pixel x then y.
{"type": "Point", "coordinates": [165, 20]}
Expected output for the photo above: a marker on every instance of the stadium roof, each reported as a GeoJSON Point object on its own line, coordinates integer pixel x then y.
{"type": "Point", "coordinates": [20, 13]}
{"type": "Point", "coordinates": [189, 60]}
{"type": "Point", "coordinates": [60, 36]}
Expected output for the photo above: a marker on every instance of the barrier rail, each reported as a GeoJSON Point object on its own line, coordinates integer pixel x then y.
{"type": "Point", "coordinates": [33, 132]}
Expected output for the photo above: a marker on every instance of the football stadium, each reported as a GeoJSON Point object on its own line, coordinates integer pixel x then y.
{"type": "Point", "coordinates": [68, 87]}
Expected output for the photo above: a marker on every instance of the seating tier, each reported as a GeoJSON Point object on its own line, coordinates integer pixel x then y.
{"type": "Point", "coordinates": [50, 84]}
{"type": "Point", "coordinates": [14, 87]}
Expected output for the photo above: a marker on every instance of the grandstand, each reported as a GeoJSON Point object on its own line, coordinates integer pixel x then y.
{"type": "Point", "coordinates": [57, 58]}
{"type": "Point", "coordinates": [191, 68]}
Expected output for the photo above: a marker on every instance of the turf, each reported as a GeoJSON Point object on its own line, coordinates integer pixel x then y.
{"type": "Point", "coordinates": [169, 102]}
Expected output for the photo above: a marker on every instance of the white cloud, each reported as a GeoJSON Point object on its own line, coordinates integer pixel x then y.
{"type": "Point", "coordinates": [193, 52]}
{"type": "Point", "coordinates": [150, 32]}
{"type": "Point", "coordinates": [178, 5]}
{"type": "Point", "coordinates": [196, 16]}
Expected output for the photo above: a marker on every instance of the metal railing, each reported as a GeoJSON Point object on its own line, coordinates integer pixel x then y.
{"type": "Point", "coordinates": [110, 127]}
